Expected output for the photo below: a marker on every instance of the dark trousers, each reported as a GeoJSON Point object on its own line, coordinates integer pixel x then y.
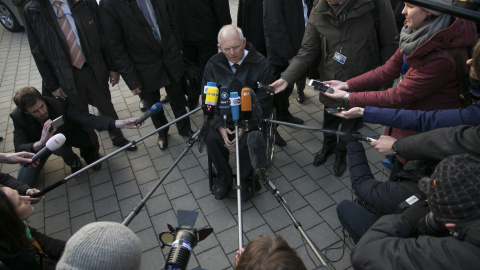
{"type": "Point", "coordinates": [177, 102]}
{"type": "Point", "coordinates": [219, 155]}
{"type": "Point", "coordinates": [333, 122]}
{"type": "Point", "coordinates": [280, 100]}
{"type": "Point", "coordinates": [90, 91]}
{"type": "Point", "coordinates": [199, 52]}
{"type": "Point", "coordinates": [354, 218]}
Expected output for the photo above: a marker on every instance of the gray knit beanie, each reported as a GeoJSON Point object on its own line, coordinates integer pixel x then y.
{"type": "Point", "coordinates": [100, 246]}
{"type": "Point", "coordinates": [437, 13]}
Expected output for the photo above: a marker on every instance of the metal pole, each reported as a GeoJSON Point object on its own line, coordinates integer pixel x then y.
{"type": "Point", "coordinates": [239, 189]}
{"type": "Point", "coordinates": [139, 207]}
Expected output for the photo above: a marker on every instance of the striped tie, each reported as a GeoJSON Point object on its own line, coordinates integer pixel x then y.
{"type": "Point", "coordinates": [75, 52]}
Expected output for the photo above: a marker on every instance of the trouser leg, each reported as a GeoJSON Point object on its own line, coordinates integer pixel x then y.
{"type": "Point", "coordinates": [178, 102]}
{"type": "Point", "coordinates": [159, 119]}
{"type": "Point", "coordinates": [219, 156]}
{"type": "Point", "coordinates": [354, 218]}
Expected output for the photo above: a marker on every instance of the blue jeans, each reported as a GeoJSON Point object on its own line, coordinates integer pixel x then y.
{"type": "Point", "coordinates": [29, 175]}
{"type": "Point", "coordinates": [355, 219]}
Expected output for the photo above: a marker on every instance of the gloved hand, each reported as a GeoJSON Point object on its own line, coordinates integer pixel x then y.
{"type": "Point", "coordinates": [416, 213]}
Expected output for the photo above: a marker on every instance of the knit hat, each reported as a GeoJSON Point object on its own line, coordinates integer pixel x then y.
{"type": "Point", "coordinates": [453, 192]}
{"type": "Point", "coordinates": [100, 246]}
{"type": "Point", "coordinates": [437, 13]}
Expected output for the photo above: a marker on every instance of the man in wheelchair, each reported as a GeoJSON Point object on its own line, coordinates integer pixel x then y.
{"type": "Point", "coordinates": [236, 66]}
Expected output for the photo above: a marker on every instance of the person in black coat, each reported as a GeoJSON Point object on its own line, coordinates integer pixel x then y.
{"type": "Point", "coordinates": [78, 70]}
{"type": "Point", "coordinates": [21, 246]}
{"type": "Point", "coordinates": [32, 128]}
{"type": "Point", "coordinates": [144, 41]}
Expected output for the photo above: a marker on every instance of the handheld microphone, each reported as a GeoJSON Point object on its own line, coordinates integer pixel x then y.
{"type": "Point", "coordinates": [52, 144]}
{"type": "Point", "coordinates": [156, 108]}
{"type": "Point", "coordinates": [235, 104]}
{"type": "Point", "coordinates": [224, 105]}
{"type": "Point", "coordinates": [246, 101]}
{"type": "Point", "coordinates": [211, 101]}
{"type": "Point", "coordinates": [257, 150]}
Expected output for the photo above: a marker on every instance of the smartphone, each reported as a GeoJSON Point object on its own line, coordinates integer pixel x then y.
{"type": "Point", "coordinates": [265, 87]}
{"type": "Point", "coordinates": [320, 87]}
{"type": "Point", "coordinates": [57, 122]}
{"type": "Point", "coordinates": [334, 110]}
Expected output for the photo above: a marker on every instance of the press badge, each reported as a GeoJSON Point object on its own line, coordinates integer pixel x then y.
{"type": "Point", "coordinates": [340, 58]}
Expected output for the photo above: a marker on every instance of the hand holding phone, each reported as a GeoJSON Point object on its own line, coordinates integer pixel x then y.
{"type": "Point", "coordinates": [57, 122]}
{"type": "Point", "coordinates": [320, 87]}
{"type": "Point", "coordinates": [334, 110]}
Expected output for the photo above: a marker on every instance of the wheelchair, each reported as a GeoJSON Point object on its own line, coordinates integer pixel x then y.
{"type": "Point", "coordinates": [268, 130]}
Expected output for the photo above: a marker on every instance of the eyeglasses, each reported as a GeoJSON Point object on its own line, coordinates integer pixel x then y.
{"type": "Point", "coordinates": [236, 47]}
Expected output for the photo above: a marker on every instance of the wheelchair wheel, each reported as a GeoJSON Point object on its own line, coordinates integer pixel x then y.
{"type": "Point", "coordinates": [270, 130]}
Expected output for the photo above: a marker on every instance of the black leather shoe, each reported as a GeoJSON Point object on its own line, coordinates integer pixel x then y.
{"type": "Point", "coordinates": [187, 134]}
{"type": "Point", "coordinates": [279, 140]}
{"type": "Point", "coordinates": [221, 192]}
{"type": "Point", "coordinates": [322, 156]}
{"type": "Point", "coordinates": [97, 167]}
{"type": "Point", "coordinates": [76, 166]}
{"type": "Point", "coordinates": [232, 194]}
{"type": "Point", "coordinates": [291, 119]}
{"type": "Point", "coordinates": [166, 99]}
{"type": "Point", "coordinates": [340, 165]}
{"type": "Point", "coordinates": [123, 142]}
{"type": "Point", "coordinates": [163, 141]}
{"type": "Point", "coordinates": [143, 105]}
{"type": "Point", "coordinates": [300, 96]}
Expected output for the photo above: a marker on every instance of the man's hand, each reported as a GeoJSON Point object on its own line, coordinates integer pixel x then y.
{"type": "Point", "coordinates": [279, 85]}
{"type": "Point", "coordinates": [354, 112]}
{"type": "Point", "coordinates": [384, 145]}
{"type": "Point", "coordinates": [136, 91]}
{"type": "Point", "coordinates": [127, 123]}
{"type": "Point", "coordinates": [224, 132]}
{"type": "Point", "coordinates": [59, 94]}
{"type": "Point", "coordinates": [114, 77]}
{"type": "Point", "coordinates": [14, 158]}
{"type": "Point", "coordinates": [237, 256]}
{"type": "Point", "coordinates": [32, 191]}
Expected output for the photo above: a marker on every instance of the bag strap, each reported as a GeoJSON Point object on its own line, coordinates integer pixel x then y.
{"type": "Point", "coordinates": [37, 246]}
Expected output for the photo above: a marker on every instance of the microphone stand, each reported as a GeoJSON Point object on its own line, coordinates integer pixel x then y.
{"type": "Point", "coordinates": [139, 207]}
{"type": "Point", "coordinates": [239, 189]}
{"type": "Point", "coordinates": [64, 180]}
{"type": "Point", "coordinates": [270, 186]}
{"type": "Point", "coordinates": [324, 130]}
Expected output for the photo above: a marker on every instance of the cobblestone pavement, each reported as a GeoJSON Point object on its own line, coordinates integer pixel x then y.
{"type": "Point", "coordinates": [111, 193]}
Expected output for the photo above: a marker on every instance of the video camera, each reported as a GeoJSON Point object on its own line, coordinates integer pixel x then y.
{"type": "Point", "coordinates": [182, 240]}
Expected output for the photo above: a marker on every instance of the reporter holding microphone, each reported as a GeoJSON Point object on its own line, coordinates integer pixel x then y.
{"type": "Point", "coordinates": [33, 129]}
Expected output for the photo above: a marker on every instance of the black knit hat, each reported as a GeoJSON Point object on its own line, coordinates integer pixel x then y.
{"type": "Point", "coordinates": [454, 190]}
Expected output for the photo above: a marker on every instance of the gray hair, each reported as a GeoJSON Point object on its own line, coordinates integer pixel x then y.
{"type": "Point", "coordinates": [225, 28]}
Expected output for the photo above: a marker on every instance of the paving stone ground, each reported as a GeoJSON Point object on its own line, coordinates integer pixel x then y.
{"type": "Point", "coordinates": [111, 193]}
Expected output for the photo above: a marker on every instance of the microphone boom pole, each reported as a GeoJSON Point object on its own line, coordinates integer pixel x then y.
{"type": "Point", "coordinates": [139, 207]}
{"type": "Point", "coordinates": [64, 180]}
{"type": "Point", "coordinates": [239, 189]}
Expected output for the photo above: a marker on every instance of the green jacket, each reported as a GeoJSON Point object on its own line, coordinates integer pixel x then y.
{"type": "Point", "coordinates": [367, 40]}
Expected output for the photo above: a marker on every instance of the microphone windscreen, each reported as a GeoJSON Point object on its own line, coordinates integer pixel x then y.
{"type": "Point", "coordinates": [212, 96]}
{"type": "Point", "coordinates": [55, 142]}
{"type": "Point", "coordinates": [224, 105]}
{"type": "Point", "coordinates": [257, 149]}
{"type": "Point", "coordinates": [246, 100]}
{"type": "Point", "coordinates": [156, 108]}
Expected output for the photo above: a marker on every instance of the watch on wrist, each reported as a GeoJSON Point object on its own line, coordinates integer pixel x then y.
{"type": "Point", "coordinates": [347, 95]}
{"type": "Point", "coordinates": [394, 148]}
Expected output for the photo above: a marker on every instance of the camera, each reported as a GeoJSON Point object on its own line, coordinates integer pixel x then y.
{"type": "Point", "coordinates": [320, 87]}
{"type": "Point", "coordinates": [182, 239]}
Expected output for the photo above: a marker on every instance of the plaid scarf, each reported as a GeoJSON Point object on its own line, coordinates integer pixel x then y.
{"type": "Point", "coordinates": [341, 10]}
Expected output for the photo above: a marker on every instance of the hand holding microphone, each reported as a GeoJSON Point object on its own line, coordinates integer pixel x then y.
{"type": "Point", "coordinates": [156, 108]}
{"type": "Point", "coordinates": [52, 144]}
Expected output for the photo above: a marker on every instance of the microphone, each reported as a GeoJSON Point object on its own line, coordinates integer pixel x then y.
{"type": "Point", "coordinates": [52, 144]}
{"type": "Point", "coordinates": [211, 101]}
{"type": "Point", "coordinates": [224, 105]}
{"type": "Point", "coordinates": [235, 104]}
{"type": "Point", "coordinates": [156, 108]}
{"type": "Point", "coordinates": [257, 150]}
{"type": "Point", "coordinates": [205, 88]}
{"type": "Point", "coordinates": [246, 101]}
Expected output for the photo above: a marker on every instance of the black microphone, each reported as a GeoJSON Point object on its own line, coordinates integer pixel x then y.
{"type": "Point", "coordinates": [156, 108]}
{"type": "Point", "coordinates": [52, 144]}
{"type": "Point", "coordinates": [257, 150]}
{"type": "Point", "coordinates": [224, 105]}
{"type": "Point", "coordinates": [211, 100]}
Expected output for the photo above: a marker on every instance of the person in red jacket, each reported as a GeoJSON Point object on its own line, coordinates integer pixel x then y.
{"type": "Point", "coordinates": [426, 62]}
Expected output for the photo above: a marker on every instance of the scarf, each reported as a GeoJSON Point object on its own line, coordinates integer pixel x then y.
{"type": "Point", "coordinates": [410, 39]}
{"type": "Point", "coordinates": [340, 10]}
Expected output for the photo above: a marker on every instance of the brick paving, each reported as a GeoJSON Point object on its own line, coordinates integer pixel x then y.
{"type": "Point", "coordinates": [111, 193]}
